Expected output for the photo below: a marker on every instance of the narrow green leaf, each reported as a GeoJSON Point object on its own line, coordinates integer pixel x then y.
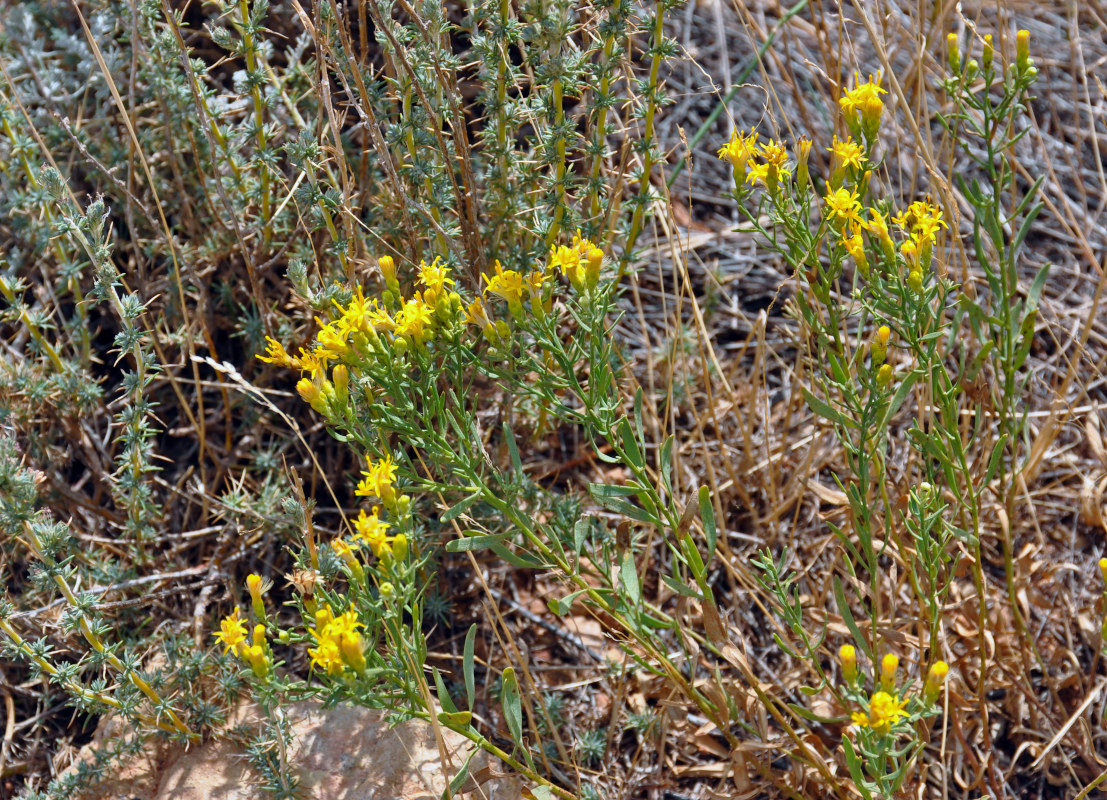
{"type": "Point", "coordinates": [459, 508]}
{"type": "Point", "coordinates": [847, 617]}
{"type": "Point", "coordinates": [512, 705]}
{"type": "Point", "coordinates": [580, 533]}
{"type": "Point", "coordinates": [667, 466]}
{"type": "Point", "coordinates": [995, 460]}
{"type": "Point", "coordinates": [628, 577]}
{"type": "Point", "coordinates": [707, 515]}
{"type": "Point", "coordinates": [630, 445]}
{"type": "Point", "coordinates": [825, 411]}
{"type": "Point", "coordinates": [470, 544]}
{"type": "Point", "coordinates": [680, 588]}
{"type": "Point", "coordinates": [468, 656]}
{"type": "Point", "coordinates": [521, 560]}
{"type": "Point", "coordinates": [462, 776]}
{"type": "Point", "coordinates": [513, 451]}
{"type": "Point", "coordinates": [443, 695]}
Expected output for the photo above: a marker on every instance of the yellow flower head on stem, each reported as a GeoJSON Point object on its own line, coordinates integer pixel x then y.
{"type": "Point", "coordinates": [276, 354]}
{"type": "Point", "coordinates": [435, 278]}
{"type": "Point", "coordinates": [845, 154]}
{"type": "Point", "coordinates": [862, 108]}
{"type": "Point", "coordinates": [855, 246]}
{"type": "Point", "coordinates": [885, 710]}
{"type": "Point", "coordinates": [232, 632]}
{"type": "Point", "coordinates": [774, 165]}
{"type": "Point", "coordinates": [257, 587]}
{"type": "Point", "coordinates": [738, 151]}
{"type": "Point", "coordinates": [414, 320]}
{"type": "Point", "coordinates": [1022, 51]}
{"type": "Point", "coordinates": [878, 349]}
{"type": "Point", "coordinates": [508, 285]}
{"type": "Point", "coordinates": [843, 208]}
{"type": "Point", "coordinates": [802, 151]}
{"type": "Point", "coordinates": [379, 481]}
{"type": "Point", "coordinates": [568, 260]}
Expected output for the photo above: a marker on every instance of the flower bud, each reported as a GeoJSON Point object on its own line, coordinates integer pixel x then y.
{"type": "Point", "coordinates": [258, 661]}
{"type": "Point", "coordinates": [592, 267]}
{"type": "Point", "coordinates": [259, 636]}
{"type": "Point", "coordinates": [1103, 569]}
{"type": "Point", "coordinates": [847, 655]}
{"type": "Point", "coordinates": [257, 587]}
{"type": "Point", "coordinates": [915, 281]}
{"type": "Point", "coordinates": [388, 270]}
{"type": "Point", "coordinates": [353, 651]}
{"type": "Point", "coordinates": [934, 679]}
{"type": "Point", "coordinates": [341, 377]}
{"type": "Point", "coordinates": [954, 54]}
{"type": "Point", "coordinates": [878, 349]}
{"type": "Point", "coordinates": [387, 589]}
{"type": "Point", "coordinates": [803, 152]}
{"type": "Point", "coordinates": [888, 666]}
{"type": "Point", "coordinates": [989, 52]}
{"type": "Point", "coordinates": [399, 547]}
{"type": "Point", "coordinates": [1022, 50]}
{"type": "Point", "coordinates": [884, 376]}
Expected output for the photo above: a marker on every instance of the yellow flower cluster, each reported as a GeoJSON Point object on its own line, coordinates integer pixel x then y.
{"type": "Point", "coordinates": [862, 108]}
{"type": "Point", "coordinates": [774, 163]}
{"type": "Point", "coordinates": [232, 634]}
{"type": "Point", "coordinates": [885, 710]}
{"type": "Point", "coordinates": [738, 151]}
{"type": "Point", "coordinates": [579, 262]}
{"type": "Point", "coordinates": [338, 644]}
{"type": "Point", "coordinates": [364, 327]}
{"type": "Point", "coordinates": [380, 481]}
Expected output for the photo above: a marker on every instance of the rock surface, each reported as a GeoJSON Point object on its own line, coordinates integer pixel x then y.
{"type": "Point", "coordinates": [342, 753]}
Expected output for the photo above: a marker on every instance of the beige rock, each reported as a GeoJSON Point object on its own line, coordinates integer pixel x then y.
{"type": "Point", "coordinates": [343, 753]}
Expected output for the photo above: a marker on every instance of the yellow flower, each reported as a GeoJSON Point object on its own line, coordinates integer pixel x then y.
{"type": "Point", "coordinates": [774, 165]}
{"type": "Point", "coordinates": [334, 339]}
{"type": "Point", "coordinates": [592, 267]}
{"type": "Point", "coordinates": [232, 632]}
{"type": "Point", "coordinates": [379, 481]}
{"type": "Point", "coordinates": [856, 248]}
{"type": "Point", "coordinates": [339, 644]}
{"type": "Point", "coordinates": [954, 53]}
{"type": "Point", "coordinates": [884, 376]}
{"type": "Point", "coordinates": [846, 154]}
{"type": "Point", "coordinates": [885, 710]}
{"type": "Point", "coordinates": [327, 656]}
{"type": "Point", "coordinates": [388, 271]}
{"type": "Point", "coordinates": [257, 586]}
{"type": "Point", "coordinates": [581, 245]}
{"type": "Point", "coordinates": [414, 319]}
{"type": "Point", "coordinates": [435, 278]}
{"type": "Point", "coordinates": [477, 314]}
{"type": "Point", "coordinates": [508, 285]}
{"type": "Point", "coordinates": [275, 354]}
{"type": "Point", "coordinates": [921, 221]}
{"type": "Point", "coordinates": [802, 149]}
{"type": "Point", "coordinates": [374, 532]}
{"type": "Point", "coordinates": [738, 151]}
{"type": "Point", "coordinates": [862, 107]}
{"type": "Point", "coordinates": [1103, 568]}
{"type": "Point", "coordinates": [843, 208]}
{"type": "Point", "coordinates": [568, 260]}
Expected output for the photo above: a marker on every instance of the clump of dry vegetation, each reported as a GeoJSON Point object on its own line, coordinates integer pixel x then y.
{"type": "Point", "coordinates": [673, 400]}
